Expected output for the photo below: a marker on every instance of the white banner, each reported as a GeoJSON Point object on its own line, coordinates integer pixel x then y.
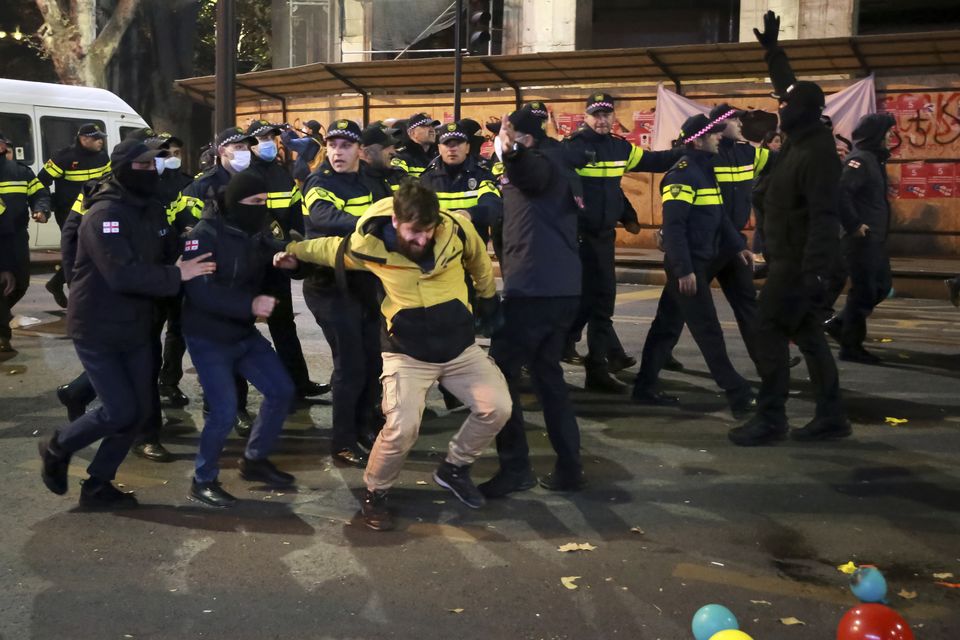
{"type": "Point", "coordinates": [844, 107]}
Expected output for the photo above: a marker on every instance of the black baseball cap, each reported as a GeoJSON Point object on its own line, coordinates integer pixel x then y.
{"type": "Point", "coordinates": [376, 133]}
{"type": "Point", "coordinates": [804, 94]}
{"type": "Point", "coordinates": [133, 150]}
{"type": "Point", "coordinates": [493, 127]}
{"type": "Point", "coordinates": [92, 130]}
{"type": "Point", "coordinates": [697, 126]}
{"type": "Point", "coordinates": [524, 121]}
{"type": "Point", "coordinates": [313, 125]}
{"type": "Point", "coordinates": [231, 135]}
{"type": "Point", "coordinates": [452, 131]}
{"type": "Point", "coordinates": [346, 129]}
{"type": "Point", "coordinates": [599, 102]}
{"type": "Point", "coordinates": [262, 127]}
{"type": "Point", "coordinates": [421, 120]}
{"type": "Point", "coordinates": [724, 111]}
{"type": "Point", "coordinates": [471, 127]}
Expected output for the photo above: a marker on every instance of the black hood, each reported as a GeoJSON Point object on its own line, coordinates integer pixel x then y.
{"type": "Point", "coordinates": [871, 131]}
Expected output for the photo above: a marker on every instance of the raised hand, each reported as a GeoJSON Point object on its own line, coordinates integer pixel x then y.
{"type": "Point", "coordinates": [771, 30]}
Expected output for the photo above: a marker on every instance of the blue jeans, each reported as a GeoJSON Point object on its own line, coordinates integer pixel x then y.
{"type": "Point", "coordinates": [217, 363]}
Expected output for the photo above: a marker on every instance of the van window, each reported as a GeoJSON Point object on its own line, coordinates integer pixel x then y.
{"type": "Point", "coordinates": [57, 132]}
{"type": "Point", "coordinates": [18, 127]}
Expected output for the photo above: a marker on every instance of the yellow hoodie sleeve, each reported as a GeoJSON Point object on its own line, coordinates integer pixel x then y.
{"type": "Point", "coordinates": [476, 260]}
{"type": "Point", "coordinates": [323, 251]}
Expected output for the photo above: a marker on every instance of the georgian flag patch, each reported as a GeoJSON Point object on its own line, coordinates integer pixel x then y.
{"type": "Point", "coordinates": [111, 227]}
{"type": "Point", "coordinates": [854, 164]}
{"type": "Point", "coordinates": [192, 245]}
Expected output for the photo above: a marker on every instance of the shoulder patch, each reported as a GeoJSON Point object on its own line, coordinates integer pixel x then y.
{"type": "Point", "coordinates": [682, 164]}
{"type": "Point", "coordinates": [675, 190]}
{"type": "Point", "coordinates": [276, 230]}
{"type": "Point", "coordinates": [853, 164]}
{"type": "Point", "coordinates": [191, 245]}
{"type": "Point", "coordinates": [111, 226]}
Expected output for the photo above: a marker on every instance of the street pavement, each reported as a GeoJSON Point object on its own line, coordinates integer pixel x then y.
{"type": "Point", "coordinates": [678, 516]}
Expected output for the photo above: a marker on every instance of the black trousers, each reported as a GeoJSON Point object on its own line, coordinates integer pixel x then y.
{"type": "Point", "coordinates": [124, 380]}
{"type": "Point", "coordinates": [834, 282]}
{"type": "Point", "coordinates": [352, 329]}
{"type": "Point", "coordinates": [870, 282]}
{"type": "Point", "coordinates": [174, 347]}
{"type": "Point", "coordinates": [534, 334]}
{"type": "Point", "coordinates": [786, 313]}
{"type": "Point", "coordinates": [20, 264]}
{"type": "Point", "coordinates": [283, 330]}
{"type": "Point", "coordinates": [699, 314]}
{"type": "Point", "coordinates": [597, 304]}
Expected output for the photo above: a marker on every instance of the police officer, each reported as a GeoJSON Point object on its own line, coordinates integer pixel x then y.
{"type": "Point", "coordinates": [286, 215]}
{"type": "Point", "coordinates": [219, 313]}
{"type": "Point", "coordinates": [698, 240]}
{"type": "Point", "coordinates": [378, 148]}
{"type": "Point", "coordinates": [306, 147]}
{"type": "Point", "coordinates": [475, 137]}
{"type": "Point", "coordinates": [865, 215]}
{"type": "Point", "coordinates": [801, 229]}
{"type": "Point", "coordinates": [609, 156]}
{"type": "Point", "coordinates": [421, 147]}
{"type": "Point", "coordinates": [335, 196]}
{"type": "Point", "coordinates": [119, 269]}
{"type": "Point", "coordinates": [20, 192]}
{"type": "Point", "coordinates": [68, 170]}
{"type": "Point", "coordinates": [541, 287]}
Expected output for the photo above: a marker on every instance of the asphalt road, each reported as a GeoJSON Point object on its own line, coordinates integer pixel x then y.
{"type": "Point", "coordinates": [679, 517]}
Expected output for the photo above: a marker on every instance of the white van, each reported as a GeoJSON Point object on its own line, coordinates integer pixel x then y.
{"type": "Point", "coordinates": [42, 118]}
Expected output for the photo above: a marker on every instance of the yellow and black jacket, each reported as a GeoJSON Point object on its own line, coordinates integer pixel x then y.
{"type": "Point", "coordinates": [187, 210]}
{"type": "Point", "coordinates": [283, 197]}
{"type": "Point", "coordinates": [20, 191]}
{"type": "Point", "coordinates": [736, 166]}
{"type": "Point", "coordinates": [413, 159]}
{"type": "Point", "coordinates": [333, 202]}
{"type": "Point", "coordinates": [427, 312]}
{"type": "Point", "coordinates": [696, 230]}
{"type": "Point", "coordinates": [68, 170]}
{"type": "Point", "coordinates": [470, 187]}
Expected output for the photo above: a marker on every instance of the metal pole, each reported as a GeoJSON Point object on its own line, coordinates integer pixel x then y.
{"type": "Point", "coordinates": [226, 96]}
{"type": "Point", "coordinates": [458, 59]}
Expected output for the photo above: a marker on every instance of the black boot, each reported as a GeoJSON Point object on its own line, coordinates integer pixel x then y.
{"type": "Point", "coordinates": [672, 364]}
{"type": "Point", "coordinates": [211, 494]}
{"type": "Point", "coordinates": [152, 451]}
{"type": "Point", "coordinates": [457, 480]}
{"type": "Point", "coordinates": [823, 429]}
{"type": "Point", "coordinates": [264, 471]}
{"type": "Point", "coordinates": [375, 513]}
{"type": "Point", "coordinates": [75, 396]}
{"type": "Point", "coordinates": [54, 465]}
{"type": "Point", "coordinates": [350, 457]}
{"type": "Point", "coordinates": [858, 354]}
{"type": "Point", "coordinates": [171, 395]}
{"type": "Point", "coordinates": [619, 361]}
{"type": "Point", "coordinates": [244, 424]}
{"type": "Point", "coordinates": [653, 398]}
{"type": "Point", "coordinates": [506, 482]}
{"type": "Point", "coordinates": [100, 495]}
{"type": "Point", "coordinates": [566, 482]}
{"type": "Point", "coordinates": [55, 287]}
{"type": "Point", "coordinates": [570, 355]}
{"type": "Point", "coordinates": [756, 432]}
{"type": "Point", "coordinates": [600, 380]}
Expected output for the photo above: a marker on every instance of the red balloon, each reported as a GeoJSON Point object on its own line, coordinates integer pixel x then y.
{"type": "Point", "coordinates": [873, 622]}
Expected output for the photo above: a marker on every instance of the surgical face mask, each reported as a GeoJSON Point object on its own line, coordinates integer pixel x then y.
{"type": "Point", "coordinates": [498, 148]}
{"type": "Point", "coordinates": [161, 164]}
{"type": "Point", "coordinates": [267, 150]}
{"type": "Point", "coordinates": [172, 163]}
{"type": "Point", "coordinates": [240, 160]}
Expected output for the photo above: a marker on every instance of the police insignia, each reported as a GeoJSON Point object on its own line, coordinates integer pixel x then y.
{"type": "Point", "coordinates": [276, 230]}
{"type": "Point", "coordinates": [682, 164]}
{"type": "Point", "coordinates": [239, 130]}
{"type": "Point", "coordinates": [599, 96]}
{"type": "Point", "coordinates": [535, 105]}
{"type": "Point", "coordinates": [675, 190]}
{"type": "Point", "coordinates": [472, 183]}
{"type": "Point", "coordinates": [452, 126]}
{"type": "Point", "coordinates": [342, 124]}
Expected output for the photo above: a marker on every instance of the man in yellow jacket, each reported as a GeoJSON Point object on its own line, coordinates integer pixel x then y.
{"type": "Point", "coordinates": [422, 255]}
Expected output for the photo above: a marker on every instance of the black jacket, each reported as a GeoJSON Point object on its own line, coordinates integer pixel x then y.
{"type": "Point", "coordinates": [414, 159]}
{"type": "Point", "coordinates": [863, 192]}
{"type": "Point", "coordinates": [20, 191]}
{"type": "Point", "coordinates": [696, 229]}
{"type": "Point", "coordinates": [123, 246]}
{"type": "Point", "coordinates": [469, 186]}
{"type": "Point", "coordinates": [218, 306]}
{"type": "Point", "coordinates": [203, 191]}
{"type": "Point", "coordinates": [283, 197]}
{"type": "Point", "coordinates": [737, 165]}
{"type": "Point", "coordinates": [69, 169]}
{"type": "Point", "coordinates": [542, 196]}
{"type": "Point", "coordinates": [601, 161]}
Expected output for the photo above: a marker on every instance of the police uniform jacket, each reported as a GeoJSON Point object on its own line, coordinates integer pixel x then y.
{"type": "Point", "coordinates": [188, 209]}
{"type": "Point", "coordinates": [413, 159]}
{"type": "Point", "coordinates": [218, 306]}
{"type": "Point", "coordinates": [736, 165]}
{"type": "Point", "coordinates": [20, 191]}
{"type": "Point", "coordinates": [69, 169]}
{"type": "Point", "coordinates": [306, 148]}
{"type": "Point", "coordinates": [542, 196]}
{"type": "Point", "coordinates": [426, 308]}
{"type": "Point", "coordinates": [283, 197]}
{"type": "Point", "coordinates": [123, 245]}
{"type": "Point", "coordinates": [469, 186]}
{"type": "Point", "coordinates": [696, 230]}
{"type": "Point", "coordinates": [602, 160]}
{"type": "Point", "coordinates": [863, 193]}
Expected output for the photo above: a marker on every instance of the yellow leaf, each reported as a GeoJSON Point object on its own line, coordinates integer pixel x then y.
{"type": "Point", "coordinates": [791, 621]}
{"type": "Point", "coordinates": [637, 530]}
{"type": "Point", "coordinates": [421, 482]}
{"type": "Point", "coordinates": [896, 422]}
{"type": "Point", "coordinates": [575, 546]}
{"type": "Point", "coordinates": [569, 582]}
{"type": "Point", "coordinates": [886, 339]}
{"type": "Point", "coordinates": [942, 576]}
{"type": "Point", "coordinates": [848, 568]}
{"type": "Point", "coordinates": [907, 595]}
{"type": "Point", "coordinates": [455, 610]}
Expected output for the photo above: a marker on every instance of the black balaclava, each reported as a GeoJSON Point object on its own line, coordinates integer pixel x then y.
{"type": "Point", "coordinates": [141, 183]}
{"type": "Point", "coordinates": [803, 106]}
{"type": "Point", "coordinates": [248, 217]}
{"type": "Point", "coordinates": [871, 131]}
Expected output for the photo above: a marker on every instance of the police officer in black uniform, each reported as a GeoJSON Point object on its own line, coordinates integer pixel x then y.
{"type": "Point", "coordinates": [286, 212]}
{"type": "Point", "coordinates": [699, 239]}
{"type": "Point", "coordinates": [118, 270]}
{"type": "Point", "coordinates": [20, 192]}
{"type": "Point", "coordinates": [378, 147]}
{"type": "Point", "coordinates": [346, 307]}
{"type": "Point", "coordinates": [801, 231]}
{"type": "Point", "coordinates": [68, 170]}
{"type": "Point", "coordinates": [420, 148]}
{"type": "Point", "coordinates": [609, 157]}
{"type": "Point", "coordinates": [865, 215]}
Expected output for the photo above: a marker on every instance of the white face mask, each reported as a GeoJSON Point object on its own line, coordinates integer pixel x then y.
{"type": "Point", "coordinates": [240, 160]}
{"type": "Point", "coordinates": [172, 163]}
{"type": "Point", "coordinates": [161, 164]}
{"type": "Point", "coordinates": [498, 147]}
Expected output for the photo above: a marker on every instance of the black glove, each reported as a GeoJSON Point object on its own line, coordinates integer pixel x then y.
{"type": "Point", "coordinates": [489, 316]}
{"type": "Point", "coordinates": [771, 30]}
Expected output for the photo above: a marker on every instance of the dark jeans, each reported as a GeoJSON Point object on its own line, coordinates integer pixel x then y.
{"type": "Point", "coordinates": [699, 314]}
{"type": "Point", "coordinates": [597, 257]}
{"type": "Point", "coordinates": [352, 329]}
{"type": "Point", "coordinates": [534, 333]}
{"type": "Point", "coordinates": [217, 363]}
{"type": "Point", "coordinates": [124, 381]}
{"type": "Point", "coordinates": [870, 282]}
{"type": "Point", "coordinates": [20, 263]}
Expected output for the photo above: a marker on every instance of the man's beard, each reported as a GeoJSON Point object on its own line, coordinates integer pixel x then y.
{"type": "Point", "coordinates": [412, 252]}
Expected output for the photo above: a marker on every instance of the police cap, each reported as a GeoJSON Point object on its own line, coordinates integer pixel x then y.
{"type": "Point", "coordinates": [599, 102]}
{"type": "Point", "coordinates": [346, 129]}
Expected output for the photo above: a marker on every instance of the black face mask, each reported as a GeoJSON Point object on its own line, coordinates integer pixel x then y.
{"type": "Point", "coordinates": [142, 183]}
{"type": "Point", "coordinates": [794, 117]}
{"type": "Point", "coordinates": [250, 218]}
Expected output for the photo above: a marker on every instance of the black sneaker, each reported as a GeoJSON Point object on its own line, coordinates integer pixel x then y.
{"type": "Point", "coordinates": [311, 388]}
{"type": "Point", "coordinates": [555, 481]}
{"type": "Point", "coordinates": [457, 480]}
{"type": "Point", "coordinates": [860, 355]}
{"type": "Point", "coordinates": [654, 398]}
{"type": "Point", "coordinates": [55, 287]}
{"type": "Point", "coordinates": [54, 466]}
{"type": "Point", "coordinates": [104, 496]}
{"type": "Point", "coordinates": [757, 432]}
{"type": "Point", "coordinates": [823, 429]}
{"type": "Point", "coordinates": [211, 494]}
{"type": "Point", "coordinates": [672, 364]}
{"type": "Point", "coordinates": [506, 482]}
{"type": "Point", "coordinates": [263, 471]}
{"type": "Point", "coordinates": [743, 406]}
{"type": "Point", "coordinates": [172, 396]}
{"type": "Point", "coordinates": [374, 510]}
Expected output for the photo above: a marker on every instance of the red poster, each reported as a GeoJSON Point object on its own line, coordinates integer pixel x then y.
{"type": "Point", "coordinates": [941, 179]}
{"type": "Point", "coordinates": [913, 181]}
{"type": "Point", "coordinates": [567, 123]}
{"type": "Point", "coordinates": [643, 128]}
{"type": "Point", "coordinates": [447, 118]}
{"type": "Point", "coordinates": [486, 149]}
{"type": "Point", "coordinates": [893, 181]}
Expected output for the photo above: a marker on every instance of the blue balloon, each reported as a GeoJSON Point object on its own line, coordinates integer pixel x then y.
{"type": "Point", "coordinates": [711, 619]}
{"type": "Point", "coordinates": [869, 585]}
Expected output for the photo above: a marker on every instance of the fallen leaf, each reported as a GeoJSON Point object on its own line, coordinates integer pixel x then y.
{"type": "Point", "coordinates": [848, 568]}
{"type": "Point", "coordinates": [569, 582]}
{"type": "Point", "coordinates": [942, 576]}
{"type": "Point", "coordinates": [575, 546]}
{"type": "Point", "coordinates": [907, 595]}
{"type": "Point", "coordinates": [896, 422]}
{"type": "Point", "coordinates": [762, 602]}
{"type": "Point", "coordinates": [422, 482]}
{"type": "Point", "coordinates": [637, 530]}
{"type": "Point", "coordinates": [439, 502]}
{"type": "Point", "coordinates": [791, 621]}
{"type": "Point", "coordinates": [949, 585]}
{"type": "Point", "coordinates": [886, 339]}
{"type": "Point", "coordinates": [455, 610]}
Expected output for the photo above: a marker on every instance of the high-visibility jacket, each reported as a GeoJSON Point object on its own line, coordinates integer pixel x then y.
{"type": "Point", "coordinates": [333, 202]}
{"type": "Point", "coordinates": [68, 170]}
{"type": "Point", "coordinates": [737, 165]}
{"type": "Point", "coordinates": [188, 208]}
{"type": "Point", "coordinates": [20, 191]}
{"type": "Point", "coordinates": [470, 187]}
{"type": "Point", "coordinates": [284, 199]}
{"type": "Point", "coordinates": [413, 159]}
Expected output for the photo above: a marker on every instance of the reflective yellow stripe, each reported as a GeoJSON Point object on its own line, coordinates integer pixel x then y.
{"type": "Point", "coordinates": [497, 169]}
{"type": "Point", "coordinates": [195, 205]}
{"type": "Point", "coordinates": [297, 195]}
{"type": "Point", "coordinates": [488, 187]}
{"type": "Point", "coordinates": [78, 205]}
{"type": "Point", "coordinates": [679, 192]}
{"type": "Point", "coordinates": [14, 186]}
{"type": "Point", "coordinates": [416, 171]}
{"type": "Point", "coordinates": [636, 153]}
{"type": "Point", "coordinates": [451, 200]}
{"type": "Point", "coordinates": [604, 169]}
{"type": "Point", "coordinates": [760, 160]}
{"type": "Point", "coordinates": [394, 187]}
{"type": "Point", "coordinates": [399, 164]}
{"type": "Point", "coordinates": [34, 186]}
{"type": "Point", "coordinates": [706, 197]}
{"type": "Point", "coordinates": [315, 194]}
{"type": "Point", "coordinates": [734, 174]}
{"type": "Point", "coordinates": [359, 205]}
{"type": "Point", "coordinates": [281, 199]}
{"type": "Point", "coordinates": [82, 175]}
{"type": "Point", "coordinates": [51, 168]}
